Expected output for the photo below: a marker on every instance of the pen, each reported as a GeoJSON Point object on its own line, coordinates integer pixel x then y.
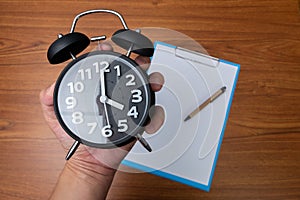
{"type": "Point", "coordinates": [205, 103]}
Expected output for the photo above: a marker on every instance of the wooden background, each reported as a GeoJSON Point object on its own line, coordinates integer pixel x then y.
{"type": "Point", "coordinates": [260, 154]}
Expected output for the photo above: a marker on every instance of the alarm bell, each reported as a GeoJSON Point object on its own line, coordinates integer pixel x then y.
{"type": "Point", "coordinates": [69, 45]}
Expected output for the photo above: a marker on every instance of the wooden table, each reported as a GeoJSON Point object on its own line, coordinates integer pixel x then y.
{"type": "Point", "coordinates": [260, 154]}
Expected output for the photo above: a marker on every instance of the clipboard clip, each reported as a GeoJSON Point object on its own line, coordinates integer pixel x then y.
{"type": "Point", "coordinates": [194, 57]}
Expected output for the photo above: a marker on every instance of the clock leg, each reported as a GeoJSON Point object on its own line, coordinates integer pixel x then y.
{"type": "Point", "coordinates": [72, 150]}
{"type": "Point", "coordinates": [145, 144]}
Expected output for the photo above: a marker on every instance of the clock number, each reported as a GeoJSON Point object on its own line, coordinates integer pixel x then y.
{"type": "Point", "coordinates": [77, 87]}
{"type": "Point", "coordinates": [96, 65]}
{"type": "Point", "coordinates": [97, 68]}
{"type": "Point", "coordinates": [131, 80]}
{"type": "Point", "coordinates": [122, 125]}
{"type": "Point", "coordinates": [117, 68]}
{"type": "Point", "coordinates": [88, 73]}
{"type": "Point", "coordinates": [133, 112]}
{"type": "Point", "coordinates": [77, 117]}
{"type": "Point", "coordinates": [136, 96]}
{"type": "Point", "coordinates": [105, 66]}
{"type": "Point", "coordinates": [106, 131]}
{"type": "Point", "coordinates": [93, 126]}
{"type": "Point", "coordinates": [71, 102]}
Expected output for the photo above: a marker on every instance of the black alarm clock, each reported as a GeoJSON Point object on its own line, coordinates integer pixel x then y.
{"type": "Point", "coordinates": [102, 98]}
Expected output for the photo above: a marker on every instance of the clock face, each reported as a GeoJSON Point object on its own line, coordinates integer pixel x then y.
{"type": "Point", "coordinates": [102, 99]}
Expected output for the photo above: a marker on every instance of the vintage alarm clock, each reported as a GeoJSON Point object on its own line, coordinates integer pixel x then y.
{"type": "Point", "coordinates": [102, 98]}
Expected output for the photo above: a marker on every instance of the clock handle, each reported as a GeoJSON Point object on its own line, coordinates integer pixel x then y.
{"type": "Point", "coordinates": [98, 11]}
{"type": "Point", "coordinates": [72, 150]}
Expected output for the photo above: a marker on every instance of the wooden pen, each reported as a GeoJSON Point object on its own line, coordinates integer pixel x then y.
{"type": "Point", "coordinates": [205, 103]}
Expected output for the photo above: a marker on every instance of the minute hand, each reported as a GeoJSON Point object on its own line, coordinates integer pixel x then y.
{"type": "Point", "coordinates": [102, 83]}
{"type": "Point", "coordinates": [103, 97]}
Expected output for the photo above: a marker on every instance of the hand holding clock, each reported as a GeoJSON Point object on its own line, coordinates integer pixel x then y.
{"type": "Point", "coordinates": [90, 167]}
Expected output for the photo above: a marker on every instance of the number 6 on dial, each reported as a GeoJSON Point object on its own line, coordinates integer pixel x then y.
{"type": "Point", "coordinates": [106, 131]}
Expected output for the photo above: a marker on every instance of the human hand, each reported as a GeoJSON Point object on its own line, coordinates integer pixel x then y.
{"type": "Point", "coordinates": [102, 161]}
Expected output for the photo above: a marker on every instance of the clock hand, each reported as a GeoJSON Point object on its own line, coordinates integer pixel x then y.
{"type": "Point", "coordinates": [103, 97]}
{"type": "Point", "coordinates": [106, 113]}
{"type": "Point", "coordinates": [102, 83]}
{"type": "Point", "coordinates": [114, 104]}
{"type": "Point", "coordinates": [98, 102]}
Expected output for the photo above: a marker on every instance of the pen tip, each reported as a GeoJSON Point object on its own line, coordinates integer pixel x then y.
{"type": "Point", "coordinates": [223, 88]}
{"type": "Point", "coordinates": [187, 118]}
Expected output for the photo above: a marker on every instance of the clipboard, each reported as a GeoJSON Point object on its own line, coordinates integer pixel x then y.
{"type": "Point", "coordinates": [187, 152]}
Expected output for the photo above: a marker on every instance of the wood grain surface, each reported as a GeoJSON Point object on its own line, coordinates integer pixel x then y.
{"type": "Point", "coordinates": [260, 154]}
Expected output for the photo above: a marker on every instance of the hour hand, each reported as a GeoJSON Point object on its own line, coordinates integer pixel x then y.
{"type": "Point", "coordinates": [105, 100]}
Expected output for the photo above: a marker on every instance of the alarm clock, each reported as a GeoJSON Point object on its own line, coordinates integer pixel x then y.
{"type": "Point", "coordinates": [102, 98]}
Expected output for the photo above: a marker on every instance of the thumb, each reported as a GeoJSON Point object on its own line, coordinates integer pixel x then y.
{"type": "Point", "coordinates": [46, 95]}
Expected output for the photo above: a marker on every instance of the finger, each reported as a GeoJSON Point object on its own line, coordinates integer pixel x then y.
{"type": "Point", "coordinates": [46, 96]}
{"type": "Point", "coordinates": [143, 62]}
{"type": "Point", "coordinates": [157, 116]}
{"type": "Point", "coordinates": [104, 47]}
{"type": "Point", "coordinates": [156, 81]}
{"type": "Point", "coordinates": [46, 99]}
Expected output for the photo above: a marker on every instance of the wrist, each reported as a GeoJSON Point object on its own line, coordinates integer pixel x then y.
{"type": "Point", "coordinates": [88, 171]}
{"type": "Point", "coordinates": [83, 182]}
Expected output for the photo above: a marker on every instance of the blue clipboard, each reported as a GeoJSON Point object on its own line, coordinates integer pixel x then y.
{"type": "Point", "coordinates": [187, 152]}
